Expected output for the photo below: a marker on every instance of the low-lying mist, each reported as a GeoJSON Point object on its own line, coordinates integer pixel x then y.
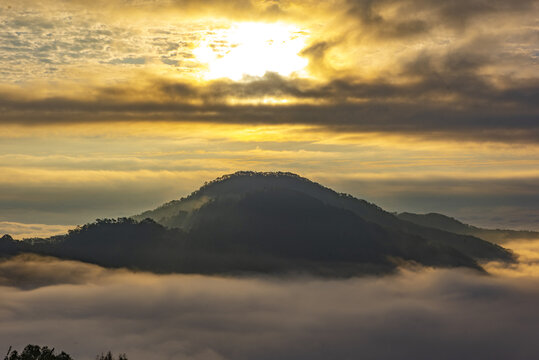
{"type": "Point", "coordinates": [84, 309]}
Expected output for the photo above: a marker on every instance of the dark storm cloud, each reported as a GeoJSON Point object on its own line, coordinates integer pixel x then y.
{"type": "Point", "coordinates": [460, 11]}
{"type": "Point", "coordinates": [366, 11]}
{"type": "Point", "coordinates": [442, 314]}
{"type": "Point", "coordinates": [476, 109]}
{"type": "Point", "coordinates": [417, 17]}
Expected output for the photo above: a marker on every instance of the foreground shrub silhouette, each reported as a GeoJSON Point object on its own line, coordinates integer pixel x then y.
{"type": "Point", "coordinates": [35, 352]}
{"type": "Point", "coordinates": [108, 356]}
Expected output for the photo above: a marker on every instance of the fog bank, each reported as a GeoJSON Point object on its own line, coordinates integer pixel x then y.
{"type": "Point", "coordinates": [418, 314]}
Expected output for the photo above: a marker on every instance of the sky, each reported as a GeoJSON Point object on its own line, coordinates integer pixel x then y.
{"type": "Point", "coordinates": [109, 108]}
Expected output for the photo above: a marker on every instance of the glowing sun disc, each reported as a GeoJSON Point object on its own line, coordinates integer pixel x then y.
{"type": "Point", "coordinates": [252, 49]}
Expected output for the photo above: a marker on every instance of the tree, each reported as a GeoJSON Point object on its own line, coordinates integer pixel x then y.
{"type": "Point", "coordinates": [35, 352]}
{"type": "Point", "coordinates": [108, 356]}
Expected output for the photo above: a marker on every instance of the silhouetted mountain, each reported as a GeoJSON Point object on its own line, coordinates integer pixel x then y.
{"type": "Point", "coordinates": [446, 223]}
{"type": "Point", "coordinates": [124, 242]}
{"type": "Point", "coordinates": [182, 213]}
{"type": "Point", "coordinates": [289, 225]}
{"type": "Point", "coordinates": [8, 246]}
{"type": "Point", "coordinates": [266, 223]}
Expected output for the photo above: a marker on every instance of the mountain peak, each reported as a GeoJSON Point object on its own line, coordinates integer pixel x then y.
{"type": "Point", "coordinates": [236, 189]}
{"type": "Point", "coordinates": [176, 213]}
{"type": "Point", "coordinates": [6, 237]}
{"type": "Point", "coordinates": [242, 182]}
{"type": "Point", "coordinates": [242, 174]}
{"type": "Point", "coordinates": [250, 173]}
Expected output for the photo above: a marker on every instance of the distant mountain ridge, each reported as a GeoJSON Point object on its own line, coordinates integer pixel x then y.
{"type": "Point", "coordinates": [271, 222]}
{"type": "Point", "coordinates": [446, 223]}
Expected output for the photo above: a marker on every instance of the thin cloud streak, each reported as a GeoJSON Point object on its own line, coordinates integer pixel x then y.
{"type": "Point", "coordinates": [21, 231]}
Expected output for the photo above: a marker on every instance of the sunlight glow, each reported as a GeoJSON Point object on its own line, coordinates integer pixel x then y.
{"type": "Point", "coordinates": [252, 49]}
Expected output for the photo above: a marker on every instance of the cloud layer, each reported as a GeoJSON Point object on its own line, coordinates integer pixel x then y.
{"type": "Point", "coordinates": [398, 66]}
{"type": "Point", "coordinates": [441, 103]}
{"type": "Point", "coordinates": [443, 314]}
{"type": "Point", "coordinates": [75, 174]}
{"type": "Point", "coordinates": [21, 231]}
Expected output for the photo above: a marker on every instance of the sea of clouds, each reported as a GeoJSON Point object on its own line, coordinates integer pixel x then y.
{"type": "Point", "coordinates": [85, 309]}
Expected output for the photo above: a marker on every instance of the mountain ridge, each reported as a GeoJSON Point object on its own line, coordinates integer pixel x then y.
{"type": "Point", "coordinates": [447, 223]}
{"type": "Point", "coordinates": [265, 222]}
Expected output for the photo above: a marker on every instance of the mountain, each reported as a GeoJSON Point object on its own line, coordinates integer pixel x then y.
{"type": "Point", "coordinates": [266, 223]}
{"type": "Point", "coordinates": [446, 223]}
{"type": "Point", "coordinates": [8, 246]}
{"type": "Point", "coordinates": [184, 212]}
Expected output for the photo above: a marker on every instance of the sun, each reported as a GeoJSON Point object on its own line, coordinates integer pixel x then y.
{"type": "Point", "coordinates": [252, 49]}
